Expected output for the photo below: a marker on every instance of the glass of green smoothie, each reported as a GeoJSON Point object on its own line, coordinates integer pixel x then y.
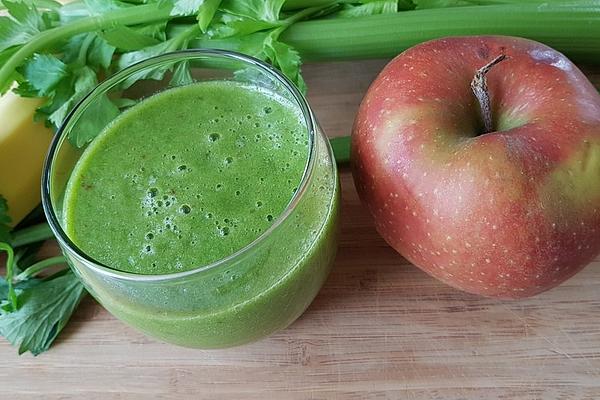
{"type": "Point", "coordinates": [196, 197]}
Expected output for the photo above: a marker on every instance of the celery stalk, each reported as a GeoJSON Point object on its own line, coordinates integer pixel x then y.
{"type": "Point", "coordinates": [570, 27]}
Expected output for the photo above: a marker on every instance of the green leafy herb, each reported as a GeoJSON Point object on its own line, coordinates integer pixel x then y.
{"type": "Point", "coordinates": [259, 10]}
{"type": "Point", "coordinates": [43, 73]}
{"type": "Point", "coordinates": [203, 9]}
{"type": "Point", "coordinates": [33, 311]}
{"type": "Point", "coordinates": [207, 13]}
{"type": "Point", "coordinates": [89, 49]}
{"type": "Point", "coordinates": [22, 24]}
{"type": "Point", "coordinates": [44, 311]}
{"type": "Point", "coordinates": [285, 58]}
{"type": "Point", "coordinates": [129, 39]}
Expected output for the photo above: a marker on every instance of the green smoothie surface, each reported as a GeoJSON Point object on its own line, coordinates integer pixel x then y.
{"type": "Point", "coordinates": [186, 177]}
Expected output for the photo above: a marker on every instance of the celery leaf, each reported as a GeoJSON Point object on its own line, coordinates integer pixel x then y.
{"type": "Point", "coordinates": [42, 75]}
{"type": "Point", "coordinates": [22, 24]}
{"type": "Point", "coordinates": [254, 9]}
{"type": "Point", "coordinates": [43, 311]}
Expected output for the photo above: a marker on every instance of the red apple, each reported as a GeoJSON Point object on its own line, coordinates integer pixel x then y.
{"type": "Point", "coordinates": [508, 213]}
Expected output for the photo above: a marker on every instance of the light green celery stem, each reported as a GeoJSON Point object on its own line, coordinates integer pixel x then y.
{"type": "Point", "coordinates": [32, 234]}
{"type": "Point", "coordinates": [10, 269]}
{"type": "Point", "coordinates": [296, 4]}
{"type": "Point", "coordinates": [573, 28]}
{"type": "Point", "coordinates": [47, 39]}
{"type": "Point", "coordinates": [40, 266]}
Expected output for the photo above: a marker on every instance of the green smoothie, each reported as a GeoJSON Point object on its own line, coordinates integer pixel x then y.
{"type": "Point", "coordinates": [189, 177]}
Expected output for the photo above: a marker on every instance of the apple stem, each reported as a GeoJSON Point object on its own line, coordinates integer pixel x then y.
{"type": "Point", "coordinates": [481, 92]}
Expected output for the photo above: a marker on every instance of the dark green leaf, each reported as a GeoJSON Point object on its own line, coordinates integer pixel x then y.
{"type": "Point", "coordinates": [128, 39]}
{"type": "Point", "coordinates": [239, 18]}
{"type": "Point", "coordinates": [100, 53]}
{"type": "Point", "coordinates": [19, 287]}
{"type": "Point", "coordinates": [156, 31]}
{"type": "Point", "coordinates": [228, 25]}
{"type": "Point", "coordinates": [133, 57]}
{"type": "Point", "coordinates": [4, 221]}
{"type": "Point", "coordinates": [260, 10]}
{"type": "Point", "coordinates": [24, 22]}
{"type": "Point", "coordinates": [26, 15]}
{"type": "Point", "coordinates": [207, 13]}
{"type": "Point", "coordinates": [98, 115]}
{"type": "Point", "coordinates": [68, 93]}
{"type": "Point", "coordinates": [88, 49]}
{"type": "Point", "coordinates": [42, 73]}
{"type": "Point", "coordinates": [44, 310]}
{"type": "Point", "coordinates": [286, 59]}
{"type": "Point", "coordinates": [265, 46]}
{"type": "Point", "coordinates": [186, 7]}
{"type": "Point", "coordinates": [40, 4]}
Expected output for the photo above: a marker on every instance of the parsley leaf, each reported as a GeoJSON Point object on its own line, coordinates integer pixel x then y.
{"type": "Point", "coordinates": [133, 57]}
{"type": "Point", "coordinates": [285, 58]}
{"type": "Point", "coordinates": [204, 10]}
{"type": "Point", "coordinates": [68, 93]}
{"type": "Point", "coordinates": [42, 74]}
{"type": "Point", "coordinates": [24, 22]}
{"type": "Point", "coordinates": [129, 39]}
{"type": "Point", "coordinates": [98, 114]}
{"type": "Point", "coordinates": [207, 13]}
{"type": "Point", "coordinates": [45, 309]}
{"type": "Point", "coordinates": [228, 25]}
{"type": "Point", "coordinates": [245, 17]}
{"type": "Point", "coordinates": [63, 82]}
{"type": "Point", "coordinates": [259, 10]}
{"type": "Point", "coordinates": [177, 42]}
{"type": "Point", "coordinates": [88, 49]}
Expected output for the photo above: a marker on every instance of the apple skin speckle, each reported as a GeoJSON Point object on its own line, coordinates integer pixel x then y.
{"type": "Point", "coordinates": [519, 204]}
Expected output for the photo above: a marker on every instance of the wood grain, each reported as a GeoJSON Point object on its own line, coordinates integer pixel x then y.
{"type": "Point", "coordinates": [379, 329]}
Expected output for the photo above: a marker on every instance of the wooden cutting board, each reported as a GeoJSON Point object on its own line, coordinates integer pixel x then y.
{"type": "Point", "coordinates": [380, 328]}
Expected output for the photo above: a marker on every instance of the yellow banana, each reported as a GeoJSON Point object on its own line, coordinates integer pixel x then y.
{"type": "Point", "coordinates": [23, 147]}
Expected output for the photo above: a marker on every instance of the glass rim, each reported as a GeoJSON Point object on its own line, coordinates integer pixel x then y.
{"type": "Point", "coordinates": [118, 77]}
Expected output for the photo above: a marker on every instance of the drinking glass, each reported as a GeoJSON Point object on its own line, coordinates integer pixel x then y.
{"type": "Point", "coordinates": [244, 296]}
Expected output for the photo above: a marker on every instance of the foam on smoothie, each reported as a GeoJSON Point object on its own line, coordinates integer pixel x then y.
{"type": "Point", "coordinates": [186, 177]}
